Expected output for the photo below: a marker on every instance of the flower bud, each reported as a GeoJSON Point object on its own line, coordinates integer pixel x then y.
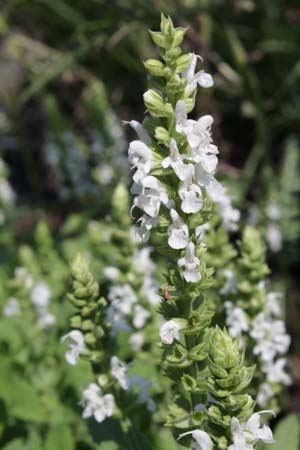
{"type": "Point", "coordinates": [162, 135]}
{"type": "Point", "coordinates": [166, 25]}
{"type": "Point", "coordinates": [178, 36]}
{"type": "Point", "coordinates": [154, 67]}
{"type": "Point", "coordinates": [224, 351]}
{"type": "Point", "coordinates": [183, 62]}
{"type": "Point", "coordinates": [159, 39]}
{"type": "Point", "coordinates": [156, 106]}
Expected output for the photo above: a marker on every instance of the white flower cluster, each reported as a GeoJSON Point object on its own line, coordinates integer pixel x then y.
{"type": "Point", "coordinates": [40, 297]}
{"type": "Point", "coordinates": [97, 405]}
{"type": "Point", "coordinates": [102, 406]}
{"type": "Point", "coordinates": [12, 307]}
{"type": "Point", "coordinates": [124, 306]}
{"type": "Point", "coordinates": [194, 170]}
{"type": "Point", "coordinates": [244, 435]}
{"type": "Point", "coordinates": [230, 216]}
{"type": "Point", "coordinates": [272, 340]}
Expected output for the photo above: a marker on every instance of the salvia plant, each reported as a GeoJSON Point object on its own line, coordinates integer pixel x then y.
{"type": "Point", "coordinates": [218, 341]}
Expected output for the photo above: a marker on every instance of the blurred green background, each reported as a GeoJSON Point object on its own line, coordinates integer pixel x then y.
{"type": "Point", "coordinates": [71, 71]}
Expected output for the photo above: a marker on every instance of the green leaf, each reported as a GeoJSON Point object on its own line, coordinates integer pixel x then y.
{"type": "Point", "coordinates": [16, 444]}
{"type": "Point", "coordinates": [21, 398]}
{"type": "Point", "coordinates": [287, 434]}
{"type": "Point", "coordinates": [59, 437]}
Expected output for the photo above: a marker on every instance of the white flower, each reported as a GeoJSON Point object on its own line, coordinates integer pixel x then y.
{"type": "Point", "coordinates": [213, 188]}
{"type": "Point", "coordinates": [149, 290]}
{"type": "Point", "coordinates": [141, 158]}
{"type": "Point", "coordinates": [265, 393]}
{"type": "Point", "coordinates": [140, 131]}
{"type": "Point", "coordinates": [271, 337]}
{"type": "Point", "coordinates": [152, 195]}
{"type": "Point", "coordinates": [178, 232]}
{"type": "Point", "coordinates": [274, 237]}
{"type": "Point", "coordinates": [275, 372]}
{"type": "Point", "coordinates": [75, 342]}
{"type": "Point", "coordinates": [7, 194]}
{"type": "Point", "coordinates": [273, 211]}
{"type": "Point", "coordinates": [246, 435]}
{"type": "Point", "coordinates": [202, 439]}
{"type": "Point", "coordinates": [103, 173]}
{"type": "Point", "coordinates": [230, 284]}
{"type": "Point", "coordinates": [119, 372]}
{"type": "Point", "coordinates": [40, 295]}
{"type": "Point", "coordinates": [273, 306]}
{"type": "Point", "coordinates": [230, 216]}
{"type": "Point", "coordinates": [191, 196]}
{"type": "Point", "coordinates": [12, 307]}
{"type": "Point", "coordinates": [136, 341]}
{"type": "Point", "coordinates": [170, 331]}
{"type": "Point", "coordinates": [236, 319]}
{"type": "Point", "coordinates": [202, 78]}
{"type": "Point", "coordinates": [111, 273]}
{"type": "Point", "coordinates": [140, 316]}
{"type": "Point", "coordinates": [146, 225]}
{"type": "Point", "coordinates": [46, 319]}
{"type": "Point", "coordinates": [97, 405]}
{"type": "Point", "coordinates": [142, 262]}
{"type": "Point", "coordinates": [122, 298]}
{"type": "Point", "coordinates": [200, 231]}
{"type": "Point", "coordinates": [189, 265]}
{"type": "Point", "coordinates": [175, 160]}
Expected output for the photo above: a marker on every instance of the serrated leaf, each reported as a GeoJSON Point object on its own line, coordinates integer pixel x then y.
{"type": "Point", "coordinates": [287, 434]}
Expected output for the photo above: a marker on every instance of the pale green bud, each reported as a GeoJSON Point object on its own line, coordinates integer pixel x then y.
{"type": "Point", "coordinates": [166, 25]}
{"type": "Point", "coordinates": [154, 67]}
{"type": "Point", "coordinates": [87, 325]}
{"type": "Point", "coordinates": [183, 62]}
{"type": "Point", "coordinates": [90, 339]}
{"type": "Point", "coordinates": [162, 136]}
{"type": "Point", "coordinates": [156, 106]}
{"type": "Point", "coordinates": [159, 39]}
{"type": "Point", "coordinates": [178, 36]}
{"type": "Point", "coordinates": [120, 205]}
{"type": "Point", "coordinates": [224, 351]}
{"type": "Point", "coordinates": [76, 322]}
{"type": "Point", "coordinates": [103, 380]}
{"type": "Point", "coordinates": [175, 85]}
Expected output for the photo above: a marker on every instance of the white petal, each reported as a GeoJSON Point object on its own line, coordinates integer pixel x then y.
{"type": "Point", "coordinates": [140, 131]}
{"type": "Point", "coordinates": [205, 80]}
{"type": "Point", "coordinates": [203, 439]}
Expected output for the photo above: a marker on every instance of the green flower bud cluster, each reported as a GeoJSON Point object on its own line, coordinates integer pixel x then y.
{"type": "Point", "coordinates": [167, 72]}
{"type": "Point", "coordinates": [90, 318]}
{"type": "Point", "coordinates": [227, 379]}
{"type": "Point", "coordinates": [259, 313]}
